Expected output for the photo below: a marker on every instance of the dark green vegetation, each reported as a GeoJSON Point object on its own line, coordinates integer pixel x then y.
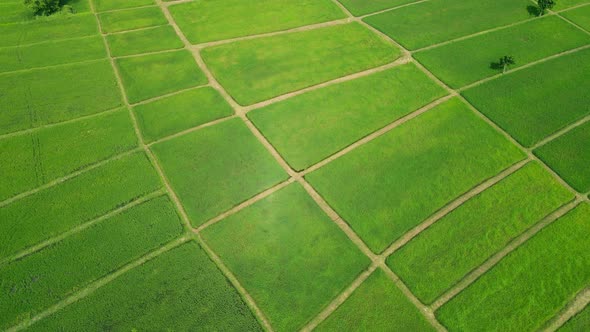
{"type": "Point", "coordinates": [363, 7]}
{"type": "Point", "coordinates": [472, 233]}
{"type": "Point", "coordinates": [179, 112]}
{"type": "Point", "coordinates": [294, 61]}
{"type": "Point", "coordinates": [180, 290]}
{"type": "Point", "coordinates": [312, 126]}
{"type": "Point", "coordinates": [205, 21]}
{"type": "Point", "coordinates": [153, 75]}
{"type": "Point", "coordinates": [580, 16]}
{"type": "Point", "coordinates": [45, 277]}
{"type": "Point", "coordinates": [377, 305]}
{"type": "Point", "coordinates": [569, 156]}
{"type": "Point", "coordinates": [531, 285]}
{"type": "Point", "coordinates": [216, 168]}
{"type": "Point", "coordinates": [298, 270]}
{"type": "Point", "coordinates": [409, 173]}
{"type": "Point", "coordinates": [47, 30]}
{"type": "Point", "coordinates": [579, 323]}
{"type": "Point", "coordinates": [16, 11]}
{"type": "Point", "coordinates": [144, 41]}
{"type": "Point", "coordinates": [525, 115]}
{"type": "Point", "coordinates": [132, 19]}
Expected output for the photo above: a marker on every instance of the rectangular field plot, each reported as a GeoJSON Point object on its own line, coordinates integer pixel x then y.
{"type": "Point", "coordinates": [377, 305]}
{"type": "Point", "coordinates": [132, 19]}
{"type": "Point", "coordinates": [104, 5]}
{"type": "Point", "coordinates": [30, 160]}
{"type": "Point", "coordinates": [153, 75]}
{"type": "Point", "coordinates": [578, 323]}
{"type": "Point", "coordinates": [516, 103]}
{"type": "Point", "coordinates": [363, 7]}
{"type": "Point", "coordinates": [472, 233]}
{"type": "Point", "coordinates": [144, 41]}
{"type": "Point", "coordinates": [310, 127]}
{"type": "Point", "coordinates": [180, 112]}
{"type": "Point", "coordinates": [529, 286]}
{"type": "Point", "coordinates": [404, 176]}
{"type": "Point", "coordinates": [181, 290]}
{"type": "Point", "coordinates": [39, 280]}
{"type": "Point", "coordinates": [288, 255]}
{"type": "Point", "coordinates": [49, 54]}
{"type": "Point", "coordinates": [205, 21]}
{"type": "Point", "coordinates": [569, 156]}
{"type": "Point", "coordinates": [58, 209]}
{"type": "Point", "coordinates": [216, 168]}
{"type": "Point", "coordinates": [479, 55]}
{"type": "Point", "coordinates": [255, 70]}
{"type": "Point", "coordinates": [580, 16]}
{"type": "Point", "coordinates": [49, 95]}
{"type": "Point", "coordinates": [436, 21]}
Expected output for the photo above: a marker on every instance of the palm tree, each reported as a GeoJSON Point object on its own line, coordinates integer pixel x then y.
{"type": "Point", "coordinates": [544, 5]}
{"type": "Point", "coordinates": [506, 61]}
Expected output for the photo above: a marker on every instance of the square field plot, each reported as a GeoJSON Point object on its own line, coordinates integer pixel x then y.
{"type": "Point", "coordinates": [216, 168]}
{"type": "Point", "coordinates": [180, 290]}
{"type": "Point", "coordinates": [179, 112]}
{"type": "Point", "coordinates": [569, 156]}
{"type": "Point", "coordinates": [144, 41]}
{"type": "Point", "coordinates": [104, 5]}
{"type": "Point", "coordinates": [363, 7]}
{"type": "Point", "coordinates": [469, 235]}
{"type": "Point", "coordinates": [580, 16]}
{"type": "Point", "coordinates": [288, 255]}
{"type": "Point", "coordinates": [31, 160]}
{"type": "Point", "coordinates": [132, 19]}
{"type": "Point", "coordinates": [436, 21]}
{"type": "Point", "coordinates": [517, 102]}
{"type": "Point", "coordinates": [308, 128]}
{"type": "Point", "coordinates": [63, 268]}
{"type": "Point", "coordinates": [527, 42]}
{"type": "Point", "coordinates": [530, 285]}
{"type": "Point", "coordinates": [377, 305]}
{"type": "Point", "coordinates": [153, 75]}
{"type": "Point", "coordinates": [404, 176]}
{"type": "Point", "coordinates": [49, 95]}
{"type": "Point", "coordinates": [259, 69]}
{"type": "Point", "coordinates": [206, 21]}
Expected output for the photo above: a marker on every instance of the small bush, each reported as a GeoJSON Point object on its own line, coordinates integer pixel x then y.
{"type": "Point", "coordinates": [44, 7]}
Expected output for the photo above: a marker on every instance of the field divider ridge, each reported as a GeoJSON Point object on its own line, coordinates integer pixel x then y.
{"type": "Point", "coordinates": [59, 65]}
{"type": "Point", "coordinates": [561, 132]}
{"type": "Point", "coordinates": [572, 308]}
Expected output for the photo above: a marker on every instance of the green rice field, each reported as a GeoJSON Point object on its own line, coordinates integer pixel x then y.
{"type": "Point", "coordinates": [281, 165]}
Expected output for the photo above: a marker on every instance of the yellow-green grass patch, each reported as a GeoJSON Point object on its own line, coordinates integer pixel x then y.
{"type": "Point", "coordinates": [144, 41]}
{"type": "Point", "coordinates": [529, 286]}
{"type": "Point", "coordinates": [104, 5]}
{"type": "Point", "coordinates": [529, 106]}
{"type": "Point", "coordinates": [179, 112]}
{"type": "Point", "coordinates": [363, 7]}
{"type": "Point", "coordinates": [388, 186]}
{"type": "Point", "coordinates": [288, 254]}
{"type": "Point", "coordinates": [259, 69]}
{"type": "Point", "coordinates": [31, 160]}
{"type": "Point", "coordinates": [58, 209]}
{"type": "Point", "coordinates": [580, 16]}
{"type": "Point", "coordinates": [153, 75]}
{"type": "Point", "coordinates": [39, 280]}
{"type": "Point", "coordinates": [472, 233]}
{"type": "Point", "coordinates": [216, 168]}
{"type": "Point", "coordinates": [310, 127]}
{"type": "Point", "coordinates": [132, 19]}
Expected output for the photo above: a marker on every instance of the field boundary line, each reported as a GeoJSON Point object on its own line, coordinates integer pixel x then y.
{"type": "Point", "coordinates": [124, 9]}
{"type": "Point", "coordinates": [49, 41]}
{"type": "Point", "coordinates": [561, 132]}
{"type": "Point", "coordinates": [138, 55]}
{"type": "Point", "coordinates": [389, 9]}
{"type": "Point", "coordinates": [93, 286]}
{"type": "Point", "coordinates": [190, 130]}
{"type": "Point", "coordinates": [517, 242]}
{"type": "Point", "coordinates": [19, 71]}
{"type": "Point", "coordinates": [77, 229]}
{"type": "Point", "coordinates": [122, 32]}
{"type": "Point", "coordinates": [574, 307]}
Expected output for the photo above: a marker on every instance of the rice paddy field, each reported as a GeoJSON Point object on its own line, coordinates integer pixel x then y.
{"type": "Point", "coordinates": [295, 165]}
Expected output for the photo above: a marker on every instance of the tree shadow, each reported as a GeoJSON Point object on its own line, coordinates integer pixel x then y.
{"type": "Point", "coordinates": [533, 10]}
{"type": "Point", "coordinates": [496, 65]}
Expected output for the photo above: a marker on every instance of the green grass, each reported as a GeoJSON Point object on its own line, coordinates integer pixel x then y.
{"type": "Point", "coordinates": [50, 54]}
{"type": "Point", "coordinates": [216, 168]}
{"type": "Point", "coordinates": [58, 209]}
{"type": "Point", "coordinates": [180, 112]}
{"type": "Point", "coordinates": [437, 21]}
{"type": "Point", "coordinates": [363, 7]}
{"type": "Point", "coordinates": [569, 156]}
{"type": "Point", "coordinates": [580, 16]}
{"type": "Point", "coordinates": [30, 160]}
{"type": "Point", "coordinates": [404, 176]}
{"type": "Point", "coordinates": [310, 127]}
{"type": "Point", "coordinates": [295, 61]}
{"type": "Point", "coordinates": [43, 96]}
{"type": "Point", "coordinates": [528, 105]}
{"type": "Point", "coordinates": [288, 254]}
{"type": "Point", "coordinates": [104, 5]}
{"type": "Point", "coordinates": [132, 19]}
{"type": "Point", "coordinates": [470, 60]}
{"type": "Point", "coordinates": [569, 3]}
{"type": "Point", "coordinates": [443, 254]}
{"type": "Point", "coordinates": [153, 75]}
{"type": "Point", "coordinates": [578, 323]}
{"type": "Point", "coordinates": [205, 21]}
{"type": "Point", "coordinates": [144, 41]}
{"type": "Point", "coordinates": [46, 277]}
{"type": "Point", "coordinates": [181, 290]}
{"type": "Point", "coordinates": [48, 30]}
{"type": "Point", "coordinates": [16, 11]}
{"type": "Point", "coordinates": [529, 286]}
{"type": "Point", "coordinates": [377, 305]}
